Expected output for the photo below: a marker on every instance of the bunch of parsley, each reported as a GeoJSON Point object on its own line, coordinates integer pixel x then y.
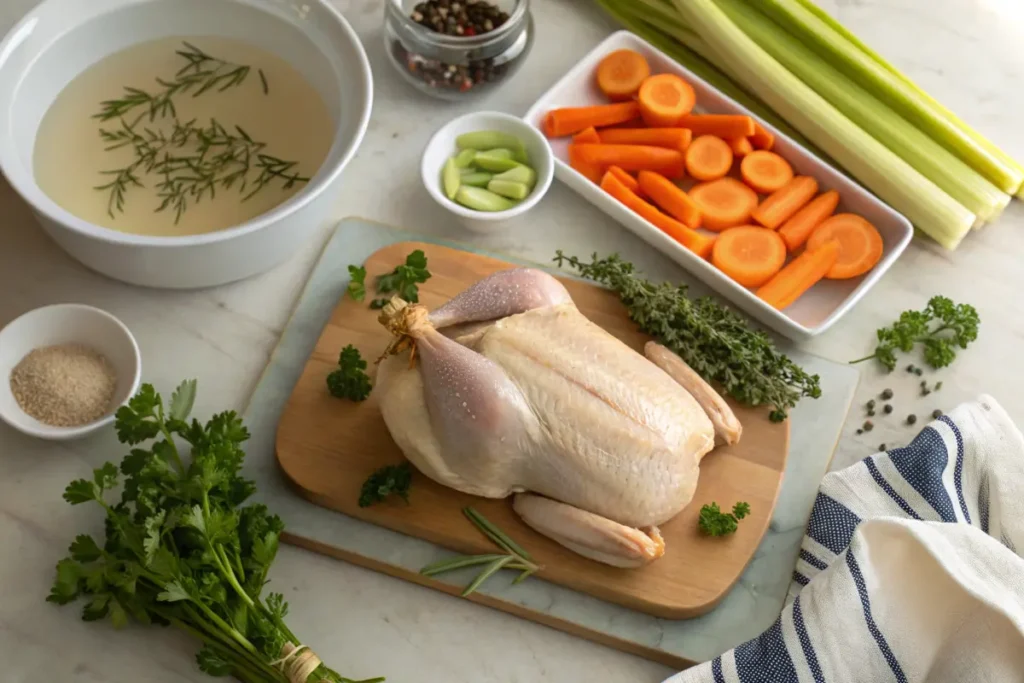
{"type": "Point", "coordinates": [717, 343]}
{"type": "Point", "coordinates": [180, 548]}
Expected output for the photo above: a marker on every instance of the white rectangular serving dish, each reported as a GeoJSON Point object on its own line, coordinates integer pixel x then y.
{"type": "Point", "coordinates": [815, 311]}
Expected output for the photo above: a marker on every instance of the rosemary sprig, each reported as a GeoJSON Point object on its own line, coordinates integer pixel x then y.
{"type": "Point", "coordinates": [202, 73]}
{"type": "Point", "coordinates": [192, 162]}
{"type": "Point", "coordinates": [516, 558]}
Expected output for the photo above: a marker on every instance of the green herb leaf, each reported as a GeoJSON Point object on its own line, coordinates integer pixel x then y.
{"type": "Point", "coordinates": [183, 399]}
{"type": "Point", "coordinates": [81, 491]}
{"type": "Point", "coordinates": [940, 328]}
{"type": "Point", "coordinates": [96, 608]}
{"type": "Point", "coordinates": [357, 282]}
{"type": "Point", "coordinates": [65, 585]}
{"type": "Point", "coordinates": [403, 280]}
{"type": "Point", "coordinates": [173, 592]}
{"type": "Point", "coordinates": [350, 379]}
{"type": "Point", "coordinates": [741, 510]}
{"type": "Point", "coordinates": [211, 663]}
{"type": "Point", "coordinates": [386, 481]}
{"type": "Point", "coordinates": [713, 522]}
{"type": "Point", "coordinates": [715, 341]}
{"type": "Point", "coordinates": [84, 549]}
{"type": "Point", "coordinates": [105, 476]}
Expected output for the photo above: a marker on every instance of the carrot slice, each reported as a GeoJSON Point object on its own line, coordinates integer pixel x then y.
{"type": "Point", "coordinates": [590, 171]}
{"type": "Point", "coordinates": [727, 126]}
{"type": "Point", "coordinates": [860, 245]}
{"type": "Point", "coordinates": [586, 136]}
{"type": "Point", "coordinates": [671, 198]}
{"type": "Point", "coordinates": [668, 162]}
{"type": "Point", "coordinates": [724, 203]}
{"type": "Point", "coordinates": [664, 99]}
{"type": "Point", "coordinates": [708, 158]}
{"type": "Point", "coordinates": [672, 138]}
{"type": "Point", "coordinates": [802, 273]}
{"type": "Point", "coordinates": [797, 229]}
{"type": "Point", "coordinates": [749, 254]}
{"type": "Point", "coordinates": [691, 239]}
{"type": "Point", "coordinates": [571, 120]}
{"type": "Point", "coordinates": [761, 138]}
{"type": "Point", "coordinates": [626, 179]}
{"type": "Point", "coordinates": [765, 172]}
{"type": "Point", "coordinates": [620, 74]}
{"type": "Point", "coordinates": [783, 203]}
{"type": "Point", "coordinates": [741, 147]}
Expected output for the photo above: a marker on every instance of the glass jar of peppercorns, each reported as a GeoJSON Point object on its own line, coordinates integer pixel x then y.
{"type": "Point", "coordinates": [454, 49]}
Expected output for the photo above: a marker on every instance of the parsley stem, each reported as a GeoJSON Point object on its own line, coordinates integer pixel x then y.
{"type": "Point", "coordinates": [861, 360]}
{"type": "Point", "coordinates": [256, 670]}
{"type": "Point", "coordinates": [170, 440]}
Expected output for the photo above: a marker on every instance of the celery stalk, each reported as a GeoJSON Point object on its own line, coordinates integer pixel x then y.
{"type": "Point", "coordinates": [882, 171]}
{"type": "Point", "coordinates": [838, 51]}
{"type": "Point", "coordinates": [987, 144]}
{"type": "Point", "coordinates": [945, 169]}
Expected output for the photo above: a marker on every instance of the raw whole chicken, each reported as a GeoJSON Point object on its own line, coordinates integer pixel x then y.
{"type": "Point", "coordinates": [512, 391]}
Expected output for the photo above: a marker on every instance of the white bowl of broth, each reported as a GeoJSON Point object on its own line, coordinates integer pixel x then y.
{"type": "Point", "coordinates": [181, 143]}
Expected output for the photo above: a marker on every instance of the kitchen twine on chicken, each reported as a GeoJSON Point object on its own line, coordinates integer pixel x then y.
{"type": "Point", "coordinates": [297, 663]}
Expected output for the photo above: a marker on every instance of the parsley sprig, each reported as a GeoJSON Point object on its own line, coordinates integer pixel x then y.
{"type": "Point", "coordinates": [403, 281]}
{"type": "Point", "coordinates": [386, 481]}
{"type": "Point", "coordinates": [350, 379]}
{"type": "Point", "coordinates": [180, 548]}
{"type": "Point", "coordinates": [941, 328]}
{"type": "Point", "coordinates": [713, 522]}
{"type": "Point", "coordinates": [713, 340]}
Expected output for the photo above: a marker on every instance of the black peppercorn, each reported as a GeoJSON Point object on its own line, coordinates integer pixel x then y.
{"type": "Point", "coordinates": [860, 431]}
{"type": "Point", "coordinates": [911, 419]}
{"type": "Point", "coordinates": [887, 394]}
{"type": "Point", "coordinates": [936, 414]}
{"type": "Point", "coordinates": [887, 409]}
{"type": "Point", "coordinates": [868, 425]}
{"type": "Point", "coordinates": [918, 371]}
{"type": "Point", "coordinates": [881, 447]}
{"type": "Point", "coordinates": [910, 368]}
{"type": "Point", "coordinates": [938, 385]}
{"type": "Point", "coordinates": [871, 404]}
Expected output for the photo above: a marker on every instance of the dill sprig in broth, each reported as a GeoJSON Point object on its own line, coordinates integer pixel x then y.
{"type": "Point", "coordinates": [189, 161]}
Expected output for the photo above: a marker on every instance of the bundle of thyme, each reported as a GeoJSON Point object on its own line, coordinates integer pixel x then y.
{"type": "Point", "coordinates": [189, 161]}
{"type": "Point", "coordinates": [713, 340]}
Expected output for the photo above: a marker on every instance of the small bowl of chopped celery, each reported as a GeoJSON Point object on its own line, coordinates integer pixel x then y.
{"type": "Point", "coordinates": [487, 168]}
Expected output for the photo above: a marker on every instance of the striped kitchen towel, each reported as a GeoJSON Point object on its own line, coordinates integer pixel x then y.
{"type": "Point", "coordinates": [911, 569]}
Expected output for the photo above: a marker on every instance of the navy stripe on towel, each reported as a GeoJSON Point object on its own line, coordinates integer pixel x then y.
{"type": "Point", "coordinates": [716, 670]}
{"type": "Point", "coordinates": [922, 464]}
{"type": "Point", "coordinates": [801, 579]}
{"type": "Point", "coordinates": [958, 470]}
{"type": "Point", "coordinates": [805, 642]}
{"type": "Point", "coordinates": [765, 659]}
{"type": "Point", "coordinates": [983, 500]}
{"type": "Point", "coordinates": [865, 601]}
{"type": "Point", "coordinates": [869, 462]}
{"type": "Point", "coordinates": [832, 523]}
{"type": "Point", "coordinates": [812, 560]}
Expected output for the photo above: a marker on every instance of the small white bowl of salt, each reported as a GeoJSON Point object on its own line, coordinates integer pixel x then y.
{"type": "Point", "coordinates": [65, 369]}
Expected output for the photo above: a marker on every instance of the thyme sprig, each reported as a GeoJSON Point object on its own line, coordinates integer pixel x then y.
{"type": "Point", "coordinates": [202, 73]}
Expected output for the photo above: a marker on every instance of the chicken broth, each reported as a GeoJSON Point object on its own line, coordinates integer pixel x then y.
{"type": "Point", "coordinates": [181, 136]}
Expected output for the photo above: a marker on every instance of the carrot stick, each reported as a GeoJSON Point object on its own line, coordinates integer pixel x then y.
{"type": "Point", "coordinates": [671, 138]}
{"type": "Point", "coordinates": [860, 245]}
{"type": "Point", "coordinates": [691, 239]}
{"type": "Point", "coordinates": [762, 139]}
{"type": "Point", "coordinates": [670, 198]}
{"type": "Point", "coordinates": [726, 126]}
{"type": "Point", "coordinates": [626, 179]}
{"type": "Point", "coordinates": [749, 254]}
{"type": "Point", "coordinates": [708, 158]}
{"type": "Point", "coordinates": [587, 136]}
{"type": "Point", "coordinates": [741, 147]}
{"type": "Point", "coordinates": [765, 172]}
{"type": "Point", "coordinates": [620, 74]}
{"type": "Point", "coordinates": [590, 171]}
{"type": "Point", "coordinates": [664, 99]}
{"type": "Point", "coordinates": [797, 229]}
{"type": "Point", "coordinates": [570, 120]}
{"type": "Point", "coordinates": [668, 162]}
{"type": "Point", "coordinates": [790, 283]}
{"type": "Point", "coordinates": [724, 203]}
{"type": "Point", "coordinates": [784, 203]}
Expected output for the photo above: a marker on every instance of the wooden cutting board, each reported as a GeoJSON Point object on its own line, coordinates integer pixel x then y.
{"type": "Point", "coordinates": [327, 447]}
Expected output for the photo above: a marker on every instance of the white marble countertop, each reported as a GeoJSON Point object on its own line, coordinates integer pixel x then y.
{"type": "Point", "coordinates": [964, 52]}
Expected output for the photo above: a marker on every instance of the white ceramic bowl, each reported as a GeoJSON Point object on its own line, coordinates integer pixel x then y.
{"type": "Point", "coordinates": [442, 146]}
{"type": "Point", "coordinates": [60, 38]}
{"type": "Point", "coordinates": [64, 324]}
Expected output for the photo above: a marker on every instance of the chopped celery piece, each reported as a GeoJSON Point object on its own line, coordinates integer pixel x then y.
{"type": "Point", "coordinates": [480, 199]}
{"type": "Point", "coordinates": [871, 162]}
{"type": "Point", "coordinates": [464, 158]}
{"type": "Point", "coordinates": [850, 57]}
{"type": "Point", "coordinates": [935, 162]}
{"type": "Point", "coordinates": [497, 160]}
{"type": "Point", "coordinates": [483, 140]}
{"type": "Point", "coordinates": [520, 174]}
{"type": "Point", "coordinates": [450, 178]}
{"type": "Point", "coordinates": [509, 188]}
{"type": "Point", "coordinates": [477, 178]}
